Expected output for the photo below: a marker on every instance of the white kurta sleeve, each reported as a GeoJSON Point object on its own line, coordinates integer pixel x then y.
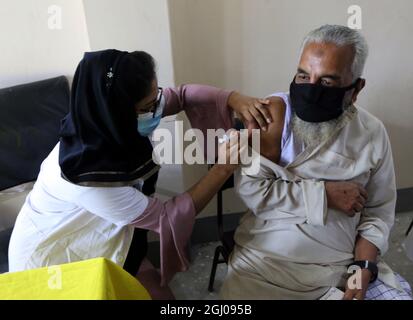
{"type": "Point", "coordinates": [378, 216]}
{"type": "Point", "coordinates": [119, 205]}
{"type": "Point", "coordinates": [272, 193]}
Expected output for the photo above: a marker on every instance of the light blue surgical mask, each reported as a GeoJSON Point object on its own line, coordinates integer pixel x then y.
{"type": "Point", "coordinates": [148, 122]}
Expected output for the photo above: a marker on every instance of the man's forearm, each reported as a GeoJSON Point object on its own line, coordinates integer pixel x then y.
{"type": "Point", "coordinates": [282, 198]}
{"type": "Point", "coordinates": [365, 250]}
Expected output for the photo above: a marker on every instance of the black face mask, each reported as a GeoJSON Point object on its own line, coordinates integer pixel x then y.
{"type": "Point", "coordinates": [317, 103]}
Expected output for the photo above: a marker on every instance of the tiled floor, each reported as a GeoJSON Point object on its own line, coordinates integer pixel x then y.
{"type": "Point", "coordinates": [395, 256]}
{"type": "Point", "coordinates": [193, 284]}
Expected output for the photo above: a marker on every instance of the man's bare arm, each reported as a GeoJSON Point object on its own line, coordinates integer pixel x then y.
{"type": "Point", "coordinates": [364, 250]}
{"type": "Point", "coordinates": [270, 146]}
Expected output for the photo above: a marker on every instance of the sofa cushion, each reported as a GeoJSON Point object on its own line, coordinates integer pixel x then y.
{"type": "Point", "coordinates": [11, 201]}
{"type": "Point", "coordinates": [4, 246]}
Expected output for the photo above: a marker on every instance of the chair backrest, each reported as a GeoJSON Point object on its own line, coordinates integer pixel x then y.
{"type": "Point", "coordinates": [220, 214]}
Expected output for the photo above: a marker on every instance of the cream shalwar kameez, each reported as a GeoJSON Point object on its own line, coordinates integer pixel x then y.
{"type": "Point", "coordinates": [290, 245]}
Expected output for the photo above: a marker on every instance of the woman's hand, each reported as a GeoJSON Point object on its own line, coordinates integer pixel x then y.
{"type": "Point", "coordinates": [229, 152]}
{"type": "Point", "coordinates": [228, 161]}
{"type": "Point", "coordinates": [253, 112]}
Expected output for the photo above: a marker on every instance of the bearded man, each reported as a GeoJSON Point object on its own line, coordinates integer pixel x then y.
{"type": "Point", "coordinates": [323, 201]}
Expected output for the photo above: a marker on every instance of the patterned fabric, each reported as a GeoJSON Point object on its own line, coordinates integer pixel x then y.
{"type": "Point", "coordinates": [379, 291]}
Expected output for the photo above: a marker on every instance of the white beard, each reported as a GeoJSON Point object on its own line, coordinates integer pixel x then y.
{"type": "Point", "coordinates": [313, 134]}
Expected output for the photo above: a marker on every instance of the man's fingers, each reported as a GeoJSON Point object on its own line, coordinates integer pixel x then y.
{"type": "Point", "coordinates": [351, 213]}
{"type": "Point", "coordinates": [358, 207]}
{"type": "Point", "coordinates": [363, 192]}
{"type": "Point", "coordinates": [348, 295]}
{"type": "Point", "coordinates": [361, 200]}
{"type": "Point", "coordinates": [359, 295]}
{"type": "Point", "coordinates": [353, 294]}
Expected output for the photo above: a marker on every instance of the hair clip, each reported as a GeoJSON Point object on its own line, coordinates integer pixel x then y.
{"type": "Point", "coordinates": [110, 76]}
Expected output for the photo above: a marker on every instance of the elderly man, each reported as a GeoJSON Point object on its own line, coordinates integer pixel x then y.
{"type": "Point", "coordinates": [324, 198]}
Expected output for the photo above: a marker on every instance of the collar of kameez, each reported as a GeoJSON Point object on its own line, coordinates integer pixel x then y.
{"type": "Point", "coordinates": [348, 116]}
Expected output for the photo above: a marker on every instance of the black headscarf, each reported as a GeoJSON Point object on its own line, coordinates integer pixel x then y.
{"type": "Point", "coordinates": [100, 144]}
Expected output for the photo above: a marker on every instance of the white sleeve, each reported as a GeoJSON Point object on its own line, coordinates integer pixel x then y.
{"type": "Point", "coordinates": [273, 193]}
{"type": "Point", "coordinates": [119, 205]}
{"type": "Point", "coordinates": [377, 218]}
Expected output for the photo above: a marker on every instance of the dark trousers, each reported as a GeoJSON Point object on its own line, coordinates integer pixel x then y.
{"type": "Point", "coordinates": [139, 246]}
{"type": "Point", "coordinates": [137, 251]}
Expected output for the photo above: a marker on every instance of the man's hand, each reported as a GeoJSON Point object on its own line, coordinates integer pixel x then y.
{"type": "Point", "coordinates": [348, 197]}
{"type": "Point", "coordinates": [359, 294]}
{"type": "Point", "coordinates": [253, 112]}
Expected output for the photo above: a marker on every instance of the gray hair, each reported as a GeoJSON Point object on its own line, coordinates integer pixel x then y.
{"type": "Point", "coordinates": [341, 36]}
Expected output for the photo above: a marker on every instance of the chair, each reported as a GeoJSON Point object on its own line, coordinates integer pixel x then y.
{"type": "Point", "coordinates": [409, 228]}
{"type": "Point", "coordinates": [226, 237]}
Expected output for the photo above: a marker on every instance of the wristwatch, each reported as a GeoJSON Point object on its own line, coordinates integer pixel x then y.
{"type": "Point", "coordinates": [365, 264]}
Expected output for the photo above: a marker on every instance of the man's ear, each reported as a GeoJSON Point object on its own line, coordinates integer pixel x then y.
{"type": "Point", "coordinates": [360, 85]}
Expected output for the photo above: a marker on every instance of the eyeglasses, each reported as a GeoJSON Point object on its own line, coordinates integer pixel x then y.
{"type": "Point", "coordinates": [154, 105]}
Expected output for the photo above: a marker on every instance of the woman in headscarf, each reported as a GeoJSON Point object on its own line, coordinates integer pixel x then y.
{"type": "Point", "coordinates": [92, 197]}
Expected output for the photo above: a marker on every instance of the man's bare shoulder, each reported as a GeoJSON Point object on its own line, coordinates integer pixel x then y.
{"type": "Point", "coordinates": [277, 109]}
{"type": "Point", "coordinates": [277, 105]}
{"type": "Point", "coordinates": [276, 99]}
{"type": "Point", "coordinates": [271, 138]}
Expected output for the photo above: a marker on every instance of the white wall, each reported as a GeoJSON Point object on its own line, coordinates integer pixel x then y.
{"type": "Point", "coordinates": [132, 25]}
{"type": "Point", "coordinates": [252, 46]}
{"type": "Point", "coordinates": [30, 51]}
{"type": "Point", "coordinates": [389, 74]}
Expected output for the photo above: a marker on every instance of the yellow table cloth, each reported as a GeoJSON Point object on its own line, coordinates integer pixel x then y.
{"type": "Point", "coordinates": [96, 279]}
